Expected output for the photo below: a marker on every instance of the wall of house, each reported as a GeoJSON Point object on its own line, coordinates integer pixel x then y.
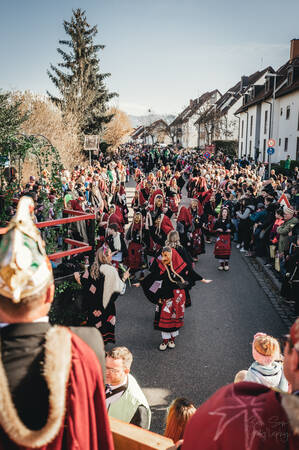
{"type": "Point", "coordinates": [243, 134]}
{"type": "Point", "coordinates": [265, 130]}
{"type": "Point", "coordinates": [286, 129]}
{"type": "Point", "coordinates": [193, 131]}
{"type": "Point", "coordinates": [185, 134]}
{"type": "Point", "coordinates": [232, 123]}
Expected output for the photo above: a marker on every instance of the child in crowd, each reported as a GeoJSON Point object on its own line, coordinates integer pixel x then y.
{"type": "Point", "coordinates": [267, 368]}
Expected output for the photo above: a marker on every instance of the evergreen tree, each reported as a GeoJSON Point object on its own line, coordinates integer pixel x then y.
{"type": "Point", "coordinates": [10, 117]}
{"type": "Point", "coordinates": [79, 81]}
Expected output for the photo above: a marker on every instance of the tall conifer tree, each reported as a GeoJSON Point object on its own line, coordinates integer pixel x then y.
{"type": "Point", "coordinates": [78, 78]}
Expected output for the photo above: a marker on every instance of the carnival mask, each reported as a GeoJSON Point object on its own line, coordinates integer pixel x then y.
{"type": "Point", "coordinates": [159, 201]}
{"type": "Point", "coordinates": [137, 218]}
{"type": "Point", "coordinates": [166, 258]}
{"type": "Point", "coordinates": [194, 205]}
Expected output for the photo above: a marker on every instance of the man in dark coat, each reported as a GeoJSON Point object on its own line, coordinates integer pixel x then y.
{"type": "Point", "coordinates": [51, 383]}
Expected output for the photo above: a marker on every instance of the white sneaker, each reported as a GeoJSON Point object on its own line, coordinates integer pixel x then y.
{"type": "Point", "coordinates": [243, 250]}
{"type": "Point", "coordinates": [238, 245]}
{"type": "Point", "coordinates": [220, 267]}
{"type": "Point", "coordinates": [226, 267]}
{"type": "Point", "coordinates": [163, 346]}
{"type": "Point", "coordinates": [171, 344]}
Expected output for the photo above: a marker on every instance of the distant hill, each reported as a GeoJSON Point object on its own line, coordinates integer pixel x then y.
{"type": "Point", "coordinates": [146, 120]}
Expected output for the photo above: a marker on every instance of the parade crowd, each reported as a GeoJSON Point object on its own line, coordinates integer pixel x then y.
{"type": "Point", "coordinates": [182, 203]}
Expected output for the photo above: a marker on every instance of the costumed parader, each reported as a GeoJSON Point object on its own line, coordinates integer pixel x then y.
{"type": "Point", "coordinates": [156, 204]}
{"type": "Point", "coordinates": [156, 232]}
{"type": "Point", "coordinates": [114, 215]}
{"type": "Point", "coordinates": [209, 216]}
{"type": "Point", "coordinates": [136, 246]}
{"type": "Point", "coordinates": [173, 241]}
{"type": "Point", "coordinates": [101, 286]}
{"type": "Point", "coordinates": [223, 227]}
{"type": "Point", "coordinates": [172, 195]}
{"type": "Point", "coordinates": [179, 179]}
{"type": "Point", "coordinates": [138, 202]}
{"type": "Point", "coordinates": [51, 383]}
{"type": "Point", "coordinates": [119, 199]}
{"type": "Point", "coordinates": [197, 235]}
{"type": "Point", "coordinates": [165, 287]}
{"type": "Point", "coordinates": [184, 225]}
{"type": "Point", "coordinates": [117, 245]}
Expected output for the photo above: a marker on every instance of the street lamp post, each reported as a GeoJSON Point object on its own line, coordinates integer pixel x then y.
{"type": "Point", "coordinates": [274, 75]}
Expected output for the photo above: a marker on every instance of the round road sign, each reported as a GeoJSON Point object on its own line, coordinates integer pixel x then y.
{"type": "Point", "coordinates": [271, 143]}
{"type": "Point", "coordinates": [270, 150]}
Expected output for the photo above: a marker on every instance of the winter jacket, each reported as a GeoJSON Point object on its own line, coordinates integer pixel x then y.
{"type": "Point", "coordinates": [271, 376]}
{"type": "Point", "coordinates": [245, 215]}
{"type": "Point", "coordinates": [283, 231]}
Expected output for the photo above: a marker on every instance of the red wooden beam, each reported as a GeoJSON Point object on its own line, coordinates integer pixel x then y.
{"type": "Point", "coordinates": [73, 251]}
{"type": "Point", "coordinates": [73, 212]}
{"type": "Point", "coordinates": [75, 243]}
{"type": "Point", "coordinates": [53, 223]}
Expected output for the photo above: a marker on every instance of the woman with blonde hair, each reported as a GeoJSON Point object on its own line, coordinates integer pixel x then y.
{"type": "Point", "coordinates": [102, 285]}
{"type": "Point", "coordinates": [179, 413]}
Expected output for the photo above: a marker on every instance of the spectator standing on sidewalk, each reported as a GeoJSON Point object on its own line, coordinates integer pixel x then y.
{"type": "Point", "coordinates": [287, 165]}
{"type": "Point", "coordinates": [285, 233]}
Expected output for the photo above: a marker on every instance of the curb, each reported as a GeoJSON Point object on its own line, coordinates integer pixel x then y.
{"type": "Point", "coordinates": [271, 287]}
{"type": "Point", "coordinates": [268, 272]}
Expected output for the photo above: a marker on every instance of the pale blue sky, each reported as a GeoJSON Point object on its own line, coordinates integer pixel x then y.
{"type": "Point", "coordinates": [160, 53]}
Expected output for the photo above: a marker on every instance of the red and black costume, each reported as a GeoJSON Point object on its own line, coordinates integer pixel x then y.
{"type": "Point", "coordinates": [134, 236]}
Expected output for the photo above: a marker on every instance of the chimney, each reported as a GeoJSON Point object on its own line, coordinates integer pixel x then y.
{"type": "Point", "coordinates": [294, 50]}
{"type": "Point", "coordinates": [244, 82]}
{"type": "Point", "coordinates": [191, 102]}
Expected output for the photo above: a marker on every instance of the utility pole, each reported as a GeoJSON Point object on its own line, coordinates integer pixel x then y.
{"type": "Point", "coordinates": [272, 113]}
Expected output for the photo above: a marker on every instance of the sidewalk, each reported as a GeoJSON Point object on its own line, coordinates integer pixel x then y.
{"type": "Point", "coordinates": [271, 285]}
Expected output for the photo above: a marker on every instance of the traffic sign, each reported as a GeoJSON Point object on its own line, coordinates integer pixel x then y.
{"type": "Point", "coordinates": [271, 143]}
{"type": "Point", "coordinates": [270, 150]}
{"type": "Point", "coordinates": [207, 155]}
{"type": "Point", "coordinates": [284, 201]}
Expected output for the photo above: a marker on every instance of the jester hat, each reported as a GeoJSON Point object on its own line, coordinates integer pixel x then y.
{"type": "Point", "coordinates": [24, 266]}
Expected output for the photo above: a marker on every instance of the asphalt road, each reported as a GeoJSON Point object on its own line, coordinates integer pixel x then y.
{"type": "Point", "coordinates": [214, 343]}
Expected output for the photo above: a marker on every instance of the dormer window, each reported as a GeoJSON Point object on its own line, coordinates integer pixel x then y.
{"type": "Point", "coordinates": [267, 85]}
{"type": "Point", "coordinates": [290, 76]}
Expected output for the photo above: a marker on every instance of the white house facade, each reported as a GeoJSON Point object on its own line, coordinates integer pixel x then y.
{"type": "Point", "coordinates": [271, 110]}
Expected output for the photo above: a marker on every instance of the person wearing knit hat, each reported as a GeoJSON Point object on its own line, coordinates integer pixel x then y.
{"type": "Point", "coordinates": [266, 369]}
{"type": "Point", "coordinates": [251, 416]}
{"type": "Point", "coordinates": [285, 229]}
{"type": "Point", "coordinates": [288, 211]}
{"type": "Point", "coordinates": [46, 401]}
